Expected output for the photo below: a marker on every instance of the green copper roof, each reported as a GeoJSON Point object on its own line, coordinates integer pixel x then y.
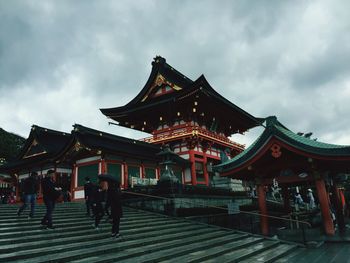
{"type": "Point", "coordinates": [274, 129]}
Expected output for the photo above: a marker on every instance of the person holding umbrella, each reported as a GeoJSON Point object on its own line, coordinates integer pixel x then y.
{"type": "Point", "coordinates": [114, 199]}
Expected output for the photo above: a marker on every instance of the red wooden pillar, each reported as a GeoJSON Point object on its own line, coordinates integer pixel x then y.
{"type": "Point", "coordinates": [193, 167]}
{"type": "Point", "coordinates": [286, 202]}
{"type": "Point", "coordinates": [104, 170]}
{"type": "Point", "coordinates": [40, 192]}
{"type": "Point", "coordinates": [338, 207]}
{"type": "Point", "coordinates": [73, 181]}
{"type": "Point", "coordinates": [103, 166]}
{"type": "Point", "coordinates": [18, 198]}
{"type": "Point", "coordinates": [126, 177]}
{"type": "Point", "coordinates": [264, 223]}
{"type": "Point", "coordinates": [142, 171]}
{"type": "Point", "coordinates": [324, 204]}
{"type": "Point", "coordinates": [158, 173]}
{"type": "Point", "coordinates": [205, 171]}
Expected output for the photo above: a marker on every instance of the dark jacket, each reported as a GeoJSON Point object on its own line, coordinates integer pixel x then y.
{"type": "Point", "coordinates": [48, 188]}
{"type": "Point", "coordinates": [114, 198]}
{"type": "Point", "coordinates": [88, 187]}
{"type": "Point", "coordinates": [95, 194]}
{"type": "Point", "coordinates": [30, 186]}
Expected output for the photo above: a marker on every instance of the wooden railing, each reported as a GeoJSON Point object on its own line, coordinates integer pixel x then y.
{"type": "Point", "coordinates": [183, 131]}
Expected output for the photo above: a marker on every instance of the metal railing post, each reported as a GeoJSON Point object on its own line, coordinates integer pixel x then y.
{"type": "Point", "coordinates": [251, 224]}
{"type": "Point", "coordinates": [303, 233]}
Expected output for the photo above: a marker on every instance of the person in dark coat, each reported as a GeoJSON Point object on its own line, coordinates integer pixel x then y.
{"type": "Point", "coordinates": [97, 199]}
{"type": "Point", "coordinates": [30, 189]}
{"type": "Point", "coordinates": [88, 195]}
{"type": "Point", "coordinates": [50, 194]}
{"type": "Point", "coordinates": [114, 199]}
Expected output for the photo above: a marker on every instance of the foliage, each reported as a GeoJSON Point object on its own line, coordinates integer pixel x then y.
{"type": "Point", "coordinates": [10, 144]}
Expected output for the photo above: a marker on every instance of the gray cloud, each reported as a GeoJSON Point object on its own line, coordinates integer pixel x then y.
{"type": "Point", "coordinates": [60, 61]}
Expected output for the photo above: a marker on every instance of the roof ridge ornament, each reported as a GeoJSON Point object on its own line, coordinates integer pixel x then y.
{"type": "Point", "coordinates": [158, 59]}
{"type": "Point", "coordinates": [271, 121]}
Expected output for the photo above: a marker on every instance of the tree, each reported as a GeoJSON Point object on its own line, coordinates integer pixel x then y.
{"type": "Point", "coordinates": [10, 144]}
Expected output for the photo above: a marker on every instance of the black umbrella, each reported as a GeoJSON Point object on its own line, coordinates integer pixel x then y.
{"type": "Point", "coordinates": [108, 178]}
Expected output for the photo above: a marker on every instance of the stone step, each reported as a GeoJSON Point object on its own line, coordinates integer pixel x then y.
{"type": "Point", "coordinates": [180, 249]}
{"type": "Point", "coordinates": [294, 256]}
{"type": "Point", "coordinates": [102, 233]}
{"type": "Point", "coordinates": [76, 250]}
{"type": "Point", "coordinates": [146, 237]}
{"type": "Point", "coordinates": [140, 254]}
{"type": "Point", "coordinates": [42, 212]}
{"type": "Point", "coordinates": [244, 253]}
{"type": "Point", "coordinates": [271, 255]}
{"type": "Point", "coordinates": [200, 256]}
{"type": "Point", "coordinates": [104, 227]}
{"type": "Point", "coordinates": [63, 228]}
{"type": "Point", "coordinates": [36, 221]}
{"type": "Point", "coordinates": [15, 218]}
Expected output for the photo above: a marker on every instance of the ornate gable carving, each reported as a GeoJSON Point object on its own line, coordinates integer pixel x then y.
{"type": "Point", "coordinates": [158, 85]}
{"type": "Point", "coordinates": [34, 149]}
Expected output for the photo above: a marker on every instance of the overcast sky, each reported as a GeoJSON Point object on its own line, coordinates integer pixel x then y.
{"type": "Point", "coordinates": [60, 61]}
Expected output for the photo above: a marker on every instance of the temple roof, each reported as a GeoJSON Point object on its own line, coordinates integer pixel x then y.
{"type": "Point", "coordinates": [146, 107]}
{"type": "Point", "coordinates": [45, 146]}
{"type": "Point", "coordinates": [94, 140]}
{"type": "Point", "coordinates": [161, 73]}
{"type": "Point", "coordinates": [41, 146]}
{"type": "Point", "coordinates": [277, 133]}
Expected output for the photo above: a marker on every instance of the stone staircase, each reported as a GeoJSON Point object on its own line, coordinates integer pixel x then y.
{"type": "Point", "coordinates": [146, 237]}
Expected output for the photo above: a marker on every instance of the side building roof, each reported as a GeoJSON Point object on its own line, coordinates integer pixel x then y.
{"type": "Point", "coordinates": [275, 131]}
{"type": "Point", "coordinates": [98, 142]}
{"type": "Point", "coordinates": [41, 146]}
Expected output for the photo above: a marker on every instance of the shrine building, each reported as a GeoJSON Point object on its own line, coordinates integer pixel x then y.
{"type": "Point", "coordinates": [188, 116]}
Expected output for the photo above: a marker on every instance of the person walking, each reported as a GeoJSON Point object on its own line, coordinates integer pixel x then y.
{"type": "Point", "coordinates": [30, 190]}
{"type": "Point", "coordinates": [114, 199]}
{"type": "Point", "coordinates": [50, 194]}
{"type": "Point", "coordinates": [97, 199]}
{"type": "Point", "coordinates": [88, 187]}
{"type": "Point", "coordinates": [311, 199]}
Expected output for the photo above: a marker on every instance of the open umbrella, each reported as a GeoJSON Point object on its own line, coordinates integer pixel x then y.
{"type": "Point", "coordinates": [108, 178]}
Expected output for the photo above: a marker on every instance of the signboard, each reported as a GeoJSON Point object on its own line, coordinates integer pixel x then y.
{"type": "Point", "coordinates": [143, 181]}
{"type": "Point", "coordinates": [233, 208]}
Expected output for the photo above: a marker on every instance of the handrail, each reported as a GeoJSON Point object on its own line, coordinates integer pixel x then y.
{"type": "Point", "coordinates": [218, 207]}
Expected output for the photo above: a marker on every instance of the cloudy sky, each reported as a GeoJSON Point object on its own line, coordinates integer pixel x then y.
{"type": "Point", "coordinates": [60, 61]}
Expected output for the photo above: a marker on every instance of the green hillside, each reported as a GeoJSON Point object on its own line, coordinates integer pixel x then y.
{"type": "Point", "coordinates": [10, 144]}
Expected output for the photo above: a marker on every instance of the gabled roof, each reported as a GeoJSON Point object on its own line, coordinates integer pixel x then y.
{"type": "Point", "coordinates": [160, 71]}
{"type": "Point", "coordinates": [141, 109]}
{"type": "Point", "coordinates": [201, 85]}
{"type": "Point", "coordinates": [42, 140]}
{"type": "Point", "coordinates": [91, 139]}
{"type": "Point", "coordinates": [277, 132]}
{"type": "Point", "coordinates": [41, 146]}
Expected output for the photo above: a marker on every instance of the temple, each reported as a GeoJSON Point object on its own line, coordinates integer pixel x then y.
{"type": "Point", "coordinates": [191, 123]}
{"type": "Point", "coordinates": [189, 116]}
